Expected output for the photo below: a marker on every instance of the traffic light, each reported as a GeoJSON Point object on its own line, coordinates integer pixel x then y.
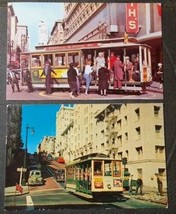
{"type": "Point", "coordinates": [124, 161]}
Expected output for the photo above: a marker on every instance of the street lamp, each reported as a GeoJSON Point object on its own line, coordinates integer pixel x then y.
{"type": "Point", "coordinates": [25, 152]}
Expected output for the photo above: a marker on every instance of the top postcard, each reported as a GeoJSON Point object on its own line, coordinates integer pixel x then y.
{"type": "Point", "coordinates": [84, 51]}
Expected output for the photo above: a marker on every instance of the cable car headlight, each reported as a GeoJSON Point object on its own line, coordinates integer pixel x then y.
{"type": "Point", "coordinates": [109, 186]}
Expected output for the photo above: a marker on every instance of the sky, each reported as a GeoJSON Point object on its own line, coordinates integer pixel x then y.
{"type": "Point", "coordinates": [30, 14]}
{"type": "Point", "coordinates": [40, 117]}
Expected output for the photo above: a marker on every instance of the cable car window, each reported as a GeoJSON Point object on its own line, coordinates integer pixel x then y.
{"type": "Point", "coordinates": [116, 168]}
{"type": "Point", "coordinates": [107, 168]}
{"type": "Point", "coordinates": [36, 60]}
{"type": "Point", "coordinates": [48, 57]}
{"type": "Point", "coordinates": [73, 57]}
{"type": "Point", "coordinates": [97, 168]}
{"type": "Point", "coordinates": [60, 59]}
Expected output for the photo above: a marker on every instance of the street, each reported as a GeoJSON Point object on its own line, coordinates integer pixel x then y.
{"type": "Point", "coordinates": [52, 195]}
{"type": "Point", "coordinates": [152, 93]}
{"type": "Point", "coordinates": [60, 199]}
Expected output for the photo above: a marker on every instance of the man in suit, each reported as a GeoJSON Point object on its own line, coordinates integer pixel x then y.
{"type": "Point", "coordinates": [47, 70]}
{"type": "Point", "coordinates": [27, 79]}
{"type": "Point", "coordinates": [13, 80]}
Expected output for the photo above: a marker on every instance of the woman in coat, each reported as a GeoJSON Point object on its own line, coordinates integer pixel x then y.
{"type": "Point", "coordinates": [103, 75]}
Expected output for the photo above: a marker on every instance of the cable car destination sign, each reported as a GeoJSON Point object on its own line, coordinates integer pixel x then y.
{"type": "Point", "coordinates": [132, 25]}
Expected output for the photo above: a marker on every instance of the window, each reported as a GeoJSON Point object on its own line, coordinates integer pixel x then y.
{"type": "Point", "coordinates": [36, 60]}
{"type": "Point", "coordinates": [157, 128]}
{"type": "Point", "coordinates": [97, 168]}
{"type": "Point", "coordinates": [138, 133]}
{"type": "Point", "coordinates": [119, 123]}
{"type": "Point", "coordinates": [139, 152]}
{"type": "Point", "coordinates": [116, 168]}
{"type": "Point", "coordinates": [156, 111]}
{"type": "Point", "coordinates": [137, 114]}
{"type": "Point", "coordinates": [159, 151]}
{"type": "Point", "coordinates": [73, 57]}
{"type": "Point", "coordinates": [107, 168]}
{"type": "Point", "coordinates": [120, 155]}
{"type": "Point", "coordinates": [126, 136]}
{"type": "Point", "coordinates": [60, 59]}
{"type": "Point", "coordinates": [48, 57]}
{"type": "Point", "coordinates": [119, 140]}
{"type": "Point", "coordinates": [125, 121]}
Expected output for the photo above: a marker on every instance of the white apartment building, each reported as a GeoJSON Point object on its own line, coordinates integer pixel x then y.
{"type": "Point", "coordinates": [135, 131]}
{"type": "Point", "coordinates": [64, 121]}
{"type": "Point", "coordinates": [48, 144]}
{"type": "Point", "coordinates": [22, 37]}
{"type": "Point", "coordinates": [42, 33]}
{"type": "Point", "coordinates": [57, 33]}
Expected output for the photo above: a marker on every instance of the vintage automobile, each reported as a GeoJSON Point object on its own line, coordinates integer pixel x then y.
{"type": "Point", "coordinates": [35, 178]}
{"type": "Point", "coordinates": [60, 175]}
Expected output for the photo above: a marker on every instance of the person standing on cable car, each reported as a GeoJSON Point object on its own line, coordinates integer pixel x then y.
{"type": "Point", "coordinates": [47, 70]}
{"type": "Point", "coordinates": [111, 61]}
{"type": "Point", "coordinates": [118, 73]}
{"type": "Point", "coordinates": [128, 69]}
{"type": "Point", "coordinates": [160, 75]}
{"type": "Point", "coordinates": [98, 61]}
{"type": "Point", "coordinates": [136, 70]}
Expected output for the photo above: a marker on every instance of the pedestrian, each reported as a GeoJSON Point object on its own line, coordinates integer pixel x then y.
{"type": "Point", "coordinates": [103, 74]}
{"type": "Point", "coordinates": [47, 70]}
{"type": "Point", "coordinates": [160, 75]}
{"type": "Point", "coordinates": [27, 79]}
{"type": "Point", "coordinates": [72, 80]}
{"type": "Point", "coordinates": [13, 80]}
{"type": "Point", "coordinates": [111, 61]}
{"type": "Point", "coordinates": [78, 77]}
{"type": "Point", "coordinates": [131, 184]}
{"type": "Point", "coordinates": [98, 61]}
{"type": "Point", "coordinates": [136, 70]}
{"type": "Point", "coordinates": [118, 73]}
{"type": "Point", "coordinates": [159, 183]}
{"type": "Point", "coordinates": [139, 186]}
{"type": "Point", "coordinates": [128, 69]}
{"type": "Point", "coordinates": [88, 75]}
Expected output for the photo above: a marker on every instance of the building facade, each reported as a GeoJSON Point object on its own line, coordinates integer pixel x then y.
{"type": "Point", "coordinates": [93, 21]}
{"type": "Point", "coordinates": [43, 35]}
{"type": "Point", "coordinates": [17, 38]}
{"type": "Point", "coordinates": [118, 130]}
{"type": "Point", "coordinates": [57, 34]}
{"type": "Point", "coordinates": [48, 145]}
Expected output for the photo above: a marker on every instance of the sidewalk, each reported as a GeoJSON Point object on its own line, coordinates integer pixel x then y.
{"type": "Point", "coordinates": [11, 191]}
{"type": "Point", "coordinates": [149, 194]}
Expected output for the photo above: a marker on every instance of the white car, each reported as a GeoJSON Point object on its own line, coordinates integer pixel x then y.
{"type": "Point", "coordinates": [35, 178]}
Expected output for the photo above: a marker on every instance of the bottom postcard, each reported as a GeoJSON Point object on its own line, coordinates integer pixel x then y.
{"type": "Point", "coordinates": [85, 156]}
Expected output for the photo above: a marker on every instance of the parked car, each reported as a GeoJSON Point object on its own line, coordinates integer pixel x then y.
{"type": "Point", "coordinates": [35, 178]}
{"type": "Point", "coordinates": [60, 175]}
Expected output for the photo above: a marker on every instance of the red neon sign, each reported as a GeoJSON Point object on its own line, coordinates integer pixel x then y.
{"type": "Point", "coordinates": [132, 25]}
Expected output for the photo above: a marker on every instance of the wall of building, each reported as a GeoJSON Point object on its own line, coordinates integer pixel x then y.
{"type": "Point", "coordinates": [121, 130]}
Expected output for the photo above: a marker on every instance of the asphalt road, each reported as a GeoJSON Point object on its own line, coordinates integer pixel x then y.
{"type": "Point", "coordinates": [52, 195]}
